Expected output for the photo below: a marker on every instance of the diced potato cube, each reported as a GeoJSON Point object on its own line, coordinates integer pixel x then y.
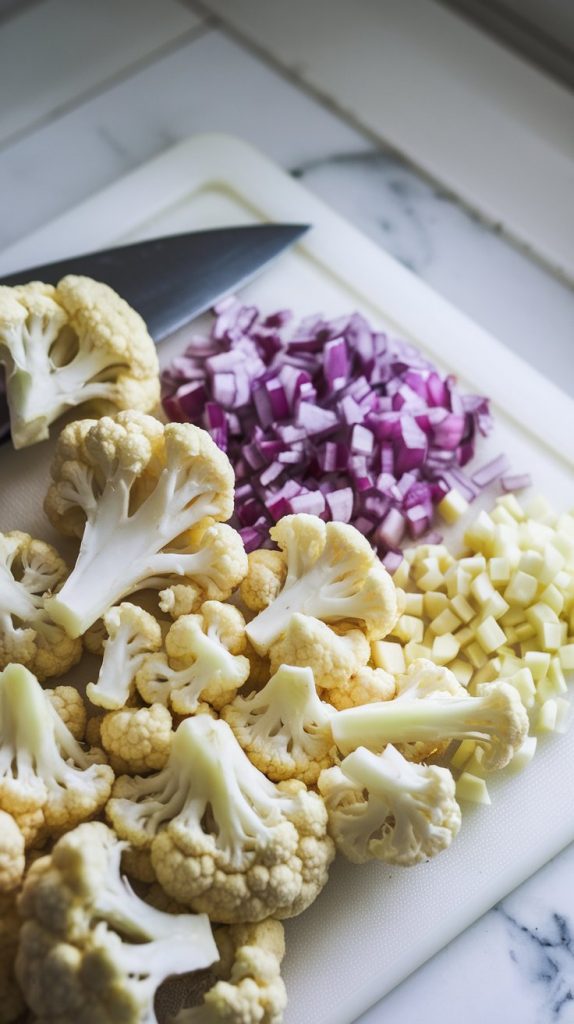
{"type": "Point", "coordinates": [434, 603]}
{"type": "Point", "coordinates": [522, 589]}
{"type": "Point", "coordinates": [463, 753]}
{"type": "Point", "coordinates": [475, 765]}
{"type": "Point", "coordinates": [540, 613]}
{"type": "Point", "coordinates": [476, 655]}
{"type": "Point", "coordinates": [464, 636]}
{"type": "Point", "coordinates": [551, 636]}
{"type": "Point", "coordinates": [485, 674]}
{"type": "Point", "coordinates": [408, 628]}
{"type": "Point", "coordinates": [444, 649]}
{"type": "Point", "coordinates": [473, 564]}
{"type": "Point", "coordinates": [547, 716]}
{"type": "Point", "coordinates": [553, 685]}
{"type": "Point", "coordinates": [523, 756]}
{"type": "Point", "coordinates": [563, 714]}
{"type": "Point", "coordinates": [540, 508]}
{"type": "Point", "coordinates": [413, 604]}
{"type": "Point", "coordinates": [401, 574]}
{"type": "Point", "coordinates": [472, 789]}
{"type": "Point", "coordinates": [413, 651]}
{"type": "Point", "coordinates": [538, 662]}
{"type": "Point", "coordinates": [462, 670]}
{"type": "Point", "coordinates": [512, 505]}
{"type": "Point", "coordinates": [446, 622]}
{"type": "Point", "coordinates": [457, 581]}
{"type": "Point", "coordinates": [489, 635]}
{"type": "Point", "coordinates": [556, 675]}
{"type": "Point", "coordinates": [479, 535]}
{"type": "Point", "coordinates": [452, 506]}
{"type": "Point", "coordinates": [553, 598]}
{"type": "Point", "coordinates": [481, 588]}
{"type": "Point", "coordinates": [513, 617]}
{"type": "Point", "coordinates": [495, 606]}
{"type": "Point", "coordinates": [462, 608]}
{"type": "Point", "coordinates": [524, 683]}
{"type": "Point", "coordinates": [566, 655]}
{"type": "Point", "coordinates": [499, 570]}
{"type": "Point", "coordinates": [532, 563]}
{"type": "Point", "coordinates": [524, 631]}
{"type": "Point", "coordinates": [432, 580]}
{"type": "Point", "coordinates": [389, 656]}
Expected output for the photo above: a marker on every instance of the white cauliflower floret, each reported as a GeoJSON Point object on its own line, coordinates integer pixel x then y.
{"type": "Point", "coordinates": [137, 740]}
{"type": "Point", "coordinates": [224, 839]}
{"type": "Point", "coordinates": [364, 687]}
{"type": "Point", "coordinates": [65, 346]}
{"type": "Point", "coordinates": [220, 565]}
{"type": "Point", "coordinates": [30, 571]}
{"type": "Point", "coordinates": [495, 719]}
{"type": "Point", "coordinates": [12, 859]}
{"type": "Point", "coordinates": [383, 807]}
{"type": "Point", "coordinates": [285, 729]}
{"type": "Point", "coordinates": [139, 486]}
{"type": "Point", "coordinates": [131, 634]}
{"type": "Point", "coordinates": [73, 961]}
{"type": "Point", "coordinates": [265, 577]}
{"type": "Point", "coordinates": [202, 661]}
{"type": "Point", "coordinates": [69, 704]}
{"type": "Point", "coordinates": [333, 575]}
{"type": "Point", "coordinates": [48, 783]}
{"type": "Point", "coordinates": [424, 679]}
{"type": "Point", "coordinates": [249, 989]}
{"type": "Point", "coordinates": [308, 642]}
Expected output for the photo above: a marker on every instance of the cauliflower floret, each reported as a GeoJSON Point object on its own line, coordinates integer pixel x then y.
{"type": "Point", "coordinates": [68, 703]}
{"type": "Point", "coordinates": [265, 578]}
{"type": "Point", "coordinates": [137, 740]}
{"type": "Point", "coordinates": [140, 486]}
{"type": "Point", "coordinates": [48, 783]}
{"type": "Point", "coordinates": [12, 859]}
{"type": "Point", "coordinates": [65, 346]}
{"type": "Point", "coordinates": [202, 661]}
{"type": "Point", "coordinates": [425, 679]}
{"type": "Point", "coordinates": [309, 642]}
{"type": "Point", "coordinates": [284, 728]}
{"type": "Point", "coordinates": [495, 719]}
{"type": "Point", "coordinates": [73, 961]}
{"type": "Point", "coordinates": [333, 575]}
{"type": "Point", "coordinates": [365, 687]}
{"type": "Point", "coordinates": [249, 989]}
{"type": "Point", "coordinates": [131, 634]}
{"type": "Point", "coordinates": [383, 807]}
{"type": "Point", "coordinates": [224, 839]}
{"type": "Point", "coordinates": [220, 566]}
{"type": "Point", "coordinates": [31, 570]}
{"type": "Point", "coordinates": [12, 1004]}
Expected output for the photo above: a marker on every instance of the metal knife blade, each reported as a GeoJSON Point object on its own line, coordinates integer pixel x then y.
{"type": "Point", "coordinates": [172, 279]}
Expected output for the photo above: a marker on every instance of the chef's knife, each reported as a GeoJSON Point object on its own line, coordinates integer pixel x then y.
{"type": "Point", "coordinates": [172, 279]}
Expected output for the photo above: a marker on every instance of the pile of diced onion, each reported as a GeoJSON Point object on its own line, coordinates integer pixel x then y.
{"type": "Point", "coordinates": [332, 418]}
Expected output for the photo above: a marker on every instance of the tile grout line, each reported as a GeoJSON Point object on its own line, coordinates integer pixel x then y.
{"type": "Point", "coordinates": [189, 36]}
{"type": "Point", "coordinates": [350, 118]}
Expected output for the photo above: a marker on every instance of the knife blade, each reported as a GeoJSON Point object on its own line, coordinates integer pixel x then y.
{"type": "Point", "coordinates": [171, 280]}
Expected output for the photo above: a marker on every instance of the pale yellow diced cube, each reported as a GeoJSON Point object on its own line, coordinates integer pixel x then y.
{"type": "Point", "coordinates": [481, 588]}
{"type": "Point", "coordinates": [550, 687]}
{"type": "Point", "coordinates": [565, 545]}
{"type": "Point", "coordinates": [489, 635]}
{"type": "Point", "coordinates": [463, 753]}
{"type": "Point", "coordinates": [532, 563]}
{"type": "Point", "coordinates": [499, 570]}
{"type": "Point", "coordinates": [462, 670]}
{"type": "Point", "coordinates": [432, 580]}
{"type": "Point", "coordinates": [566, 655]}
{"type": "Point", "coordinates": [401, 574]}
{"type": "Point", "coordinates": [479, 535]}
{"type": "Point", "coordinates": [522, 589]}
{"type": "Point", "coordinates": [464, 636]}
{"type": "Point", "coordinates": [472, 789]}
{"type": "Point", "coordinates": [446, 622]}
{"type": "Point", "coordinates": [512, 505]}
{"type": "Point", "coordinates": [563, 714]}
{"type": "Point", "coordinates": [523, 756]}
{"type": "Point", "coordinates": [389, 656]}
{"type": "Point", "coordinates": [495, 606]}
{"type": "Point", "coordinates": [485, 674]}
{"type": "Point", "coordinates": [511, 664]}
{"type": "Point", "coordinates": [452, 506]}
{"type": "Point", "coordinates": [524, 631]}
{"type": "Point", "coordinates": [524, 683]}
{"type": "Point", "coordinates": [434, 603]}
{"type": "Point", "coordinates": [553, 598]}
{"type": "Point", "coordinates": [540, 613]}
{"type": "Point", "coordinates": [502, 517]}
{"type": "Point", "coordinates": [444, 649]}
{"type": "Point", "coordinates": [539, 507]}
{"type": "Point", "coordinates": [476, 655]}
{"type": "Point", "coordinates": [513, 617]}
{"type": "Point", "coordinates": [414, 651]}
{"type": "Point", "coordinates": [413, 605]}
{"type": "Point", "coordinates": [462, 608]}
{"type": "Point", "coordinates": [473, 564]}
{"type": "Point", "coordinates": [551, 636]}
{"type": "Point", "coordinates": [529, 645]}
{"type": "Point", "coordinates": [547, 716]}
{"type": "Point", "coordinates": [555, 673]}
{"type": "Point", "coordinates": [457, 581]}
{"type": "Point", "coordinates": [408, 628]}
{"type": "Point", "coordinates": [475, 765]}
{"type": "Point", "coordinates": [538, 662]}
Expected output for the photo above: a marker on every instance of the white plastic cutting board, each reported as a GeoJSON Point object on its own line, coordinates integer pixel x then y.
{"type": "Point", "coordinates": [372, 925]}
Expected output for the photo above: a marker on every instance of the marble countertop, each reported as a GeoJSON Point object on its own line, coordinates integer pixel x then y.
{"type": "Point", "coordinates": [82, 125]}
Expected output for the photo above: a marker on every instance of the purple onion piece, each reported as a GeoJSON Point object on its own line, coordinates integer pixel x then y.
{"type": "Point", "coordinates": [515, 481]}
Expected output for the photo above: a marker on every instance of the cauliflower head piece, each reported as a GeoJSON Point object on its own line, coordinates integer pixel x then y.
{"type": "Point", "coordinates": [30, 571]}
{"type": "Point", "coordinates": [248, 987]}
{"type": "Point", "coordinates": [225, 840]}
{"type": "Point", "coordinates": [382, 807]}
{"type": "Point", "coordinates": [90, 949]}
{"type": "Point", "coordinates": [221, 564]}
{"type": "Point", "coordinates": [67, 346]}
{"type": "Point", "coordinates": [332, 574]}
{"type": "Point", "coordinates": [137, 740]}
{"type": "Point", "coordinates": [285, 729]}
{"type": "Point", "coordinates": [203, 661]}
{"type": "Point", "coordinates": [131, 634]}
{"type": "Point", "coordinates": [130, 487]}
{"type": "Point", "coordinates": [48, 783]}
{"type": "Point", "coordinates": [12, 857]}
{"type": "Point", "coordinates": [309, 642]}
{"type": "Point", "coordinates": [69, 704]}
{"type": "Point", "coordinates": [366, 686]}
{"type": "Point", "coordinates": [265, 577]}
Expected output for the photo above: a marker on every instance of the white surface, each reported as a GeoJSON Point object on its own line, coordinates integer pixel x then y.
{"type": "Point", "coordinates": [476, 117]}
{"type": "Point", "coordinates": [399, 917]}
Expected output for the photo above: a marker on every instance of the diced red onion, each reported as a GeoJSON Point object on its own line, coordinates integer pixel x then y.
{"type": "Point", "coordinates": [515, 481]}
{"type": "Point", "coordinates": [331, 417]}
{"type": "Point", "coordinates": [490, 471]}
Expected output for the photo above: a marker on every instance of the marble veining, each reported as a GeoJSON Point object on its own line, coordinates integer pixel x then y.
{"type": "Point", "coordinates": [544, 956]}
